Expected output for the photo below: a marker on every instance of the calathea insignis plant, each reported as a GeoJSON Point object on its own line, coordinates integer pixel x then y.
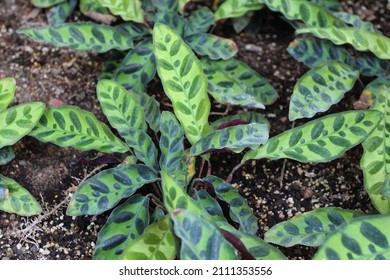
{"type": "Point", "coordinates": [15, 123]}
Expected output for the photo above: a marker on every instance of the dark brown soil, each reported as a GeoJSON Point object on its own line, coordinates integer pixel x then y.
{"type": "Point", "coordinates": [276, 190]}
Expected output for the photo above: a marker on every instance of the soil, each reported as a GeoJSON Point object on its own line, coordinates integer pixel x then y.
{"type": "Point", "coordinates": [276, 190]}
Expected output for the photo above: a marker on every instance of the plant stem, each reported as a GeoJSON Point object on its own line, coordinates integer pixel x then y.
{"type": "Point", "coordinates": [230, 177]}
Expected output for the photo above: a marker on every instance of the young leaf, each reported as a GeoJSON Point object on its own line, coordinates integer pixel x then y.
{"type": "Point", "coordinates": [236, 8]}
{"type": "Point", "coordinates": [234, 82]}
{"type": "Point", "coordinates": [210, 204]}
{"type": "Point", "coordinates": [183, 80]}
{"type": "Point", "coordinates": [235, 138]}
{"type": "Point", "coordinates": [173, 20]}
{"type": "Point", "coordinates": [124, 225]}
{"type": "Point", "coordinates": [126, 9]}
{"type": "Point", "coordinates": [320, 88]}
{"type": "Point", "coordinates": [249, 117]}
{"type": "Point", "coordinates": [310, 13]}
{"type": "Point", "coordinates": [360, 40]}
{"type": "Point", "coordinates": [363, 238]}
{"type": "Point", "coordinates": [331, 5]}
{"type": "Point", "coordinates": [81, 36]}
{"type": "Point", "coordinates": [314, 52]}
{"type": "Point", "coordinates": [375, 162]}
{"type": "Point", "coordinates": [18, 200]}
{"type": "Point", "coordinates": [239, 212]}
{"type": "Point", "coordinates": [138, 68]}
{"type": "Point", "coordinates": [210, 45]}
{"type": "Point", "coordinates": [61, 12]}
{"type": "Point", "coordinates": [46, 3]}
{"type": "Point", "coordinates": [6, 155]}
{"type": "Point", "coordinates": [156, 243]}
{"type": "Point", "coordinates": [151, 109]}
{"type": "Point", "coordinates": [372, 66]}
{"type": "Point", "coordinates": [7, 92]}
{"type": "Point", "coordinates": [171, 143]}
{"type": "Point", "coordinates": [199, 22]}
{"type": "Point", "coordinates": [70, 126]}
{"type": "Point", "coordinates": [310, 228]}
{"type": "Point", "coordinates": [200, 240]}
{"type": "Point", "coordinates": [257, 247]}
{"type": "Point", "coordinates": [18, 121]}
{"type": "Point", "coordinates": [356, 22]}
{"type": "Point", "coordinates": [320, 140]}
{"type": "Point", "coordinates": [104, 190]}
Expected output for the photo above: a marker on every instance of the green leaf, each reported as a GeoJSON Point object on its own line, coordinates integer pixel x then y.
{"type": "Point", "coordinates": [314, 52]}
{"type": "Point", "coordinates": [4, 192]}
{"type": "Point", "coordinates": [6, 155]}
{"type": "Point", "coordinates": [156, 243]}
{"type": "Point", "coordinates": [187, 169]}
{"type": "Point", "coordinates": [310, 13]}
{"type": "Point", "coordinates": [46, 3]}
{"type": "Point", "coordinates": [134, 31]}
{"type": "Point", "coordinates": [385, 189]}
{"type": "Point", "coordinates": [7, 92]}
{"type": "Point", "coordinates": [81, 36]}
{"type": "Point", "coordinates": [210, 205]}
{"type": "Point", "coordinates": [199, 22]}
{"type": "Point", "coordinates": [18, 121]}
{"type": "Point", "coordinates": [356, 22]}
{"type": "Point", "coordinates": [213, 46]}
{"type": "Point", "coordinates": [331, 5]}
{"type": "Point", "coordinates": [320, 88]}
{"type": "Point", "coordinates": [138, 68]}
{"type": "Point", "coordinates": [151, 109]}
{"type": "Point", "coordinates": [166, 5]}
{"type": "Point", "coordinates": [372, 66]}
{"type": "Point", "coordinates": [375, 162]}
{"type": "Point", "coordinates": [111, 64]}
{"type": "Point", "coordinates": [363, 238]}
{"type": "Point", "coordinates": [18, 200]}
{"type": "Point", "coordinates": [249, 117]}
{"type": "Point", "coordinates": [256, 246]}
{"type": "Point", "coordinates": [236, 8]}
{"type": "Point", "coordinates": [320, 140]}
{"type": "Point", "coordinates": [173, 20]}
{"type": "Point", "coordinates": [310, 228]}
{"type": "Point", "coordinates": [120, 107]}
{"type": "Point", "coordinates": [171, 143]}
{"type": "Point", "coordinates": [126, 9]}
{"type": "Point", "coordinates": [235, 138]}
{"type": "Point", "coordinates": [124, 225]}
{"type": "Point", "coordinates": [360, 40]}
{"type": "Point", "coordinates": [61, 12]}
{"type": "Point", "coordinates": [88, 6]}
{"type": "Point", "coordinates": [104, 190]}
{"type": "Point", "coordinates": [239, 211]}
{"type": "Point", "coordinates": [234, 82]}
{"type": "Point", "coordinates": [200, 240]}
{"type": "Point", "coordinates": [240, 23]}
{"type": "Point", "coordinates": [70, 126]}
{"type": "Point", "coordinates": [157, 215]}
{"type": "Point", "coordinates": [183, 80]}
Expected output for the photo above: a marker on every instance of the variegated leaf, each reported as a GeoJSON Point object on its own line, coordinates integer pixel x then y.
{"type": "Point", "coordinates": [331, 5]}
{"type": "Point", "coordinates": [6, 155]}
{"type": "Point", "coordinates": [110, 64]}
{"type": "Point", "coordinates": [360, 40]}
{"type": "Point", "coordinates": [134, 31]}
{"type": "Point", "coordinates": [200, 240]}
{"type": "Point", "coordinates": [235, 138]}
{"type": "Point", "coordinates": [165, 5]}
{"type": "Point", "coordinates": [320, 140]}
{"type": "Point", "coordinates": [171, 143]}
{"type": "Point", "coordinates": [151, 109]}
{"type": "Point", "coordinates": [157, 215]}
{"type": "Point", "coordinates": [244, 117]}
{"type": "Point", "coordinates": [234, 82]}
{"type": "Point", "coordinates": [310, 228]}
{"type": "Point", "coordinates": [87, 6]}
{"type": "Point", "coordinates": [4, 192]}
{"type": "Point", "coordinates": [104, 190]}
{"type": "Point", "coordinates": [7, 92]}
{"type": "Point", "coordinates": [126, 9]}
{"type": "Point", "coordinates": [385, 189]}
{"type": "Point", "coordinates": [356, 21]}
{"type": "Point", "coordinates": [187, 169]}
{"type": "Point", "coordinates": [183, 80]}
{"type": "Point", "coordinates": [124, 225]}
{"type": "Point", "coordinates": [236, 8]}
{"type": "Point", "coordinates": [199, 21]}
{"type": "Point", "coordinates": [70, 126]}
{"type": "Point", "coordinates": [18, 121]}
{"type": "Point", "coordinates": [210, 204]}
{"type": "Point", "coordinates": [372, 66]}
{"type": "Point", "coordinates": [61, 12]}
{"type": "Point", "coordinates": [173, 20]}
{"type": "Point", "coordinates": [81, 36]}
{"type": "Point", "coordinates": [320, 88]}
{"type": "Point", "coordinates": [46, 3]}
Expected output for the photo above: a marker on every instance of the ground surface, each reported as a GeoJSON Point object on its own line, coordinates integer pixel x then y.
{"type": "Point", "coordinates": [276, 190]}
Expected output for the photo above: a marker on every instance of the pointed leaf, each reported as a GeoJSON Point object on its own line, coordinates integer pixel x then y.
{"type": "Point", "coordinates": [124, 225]}
{"type": "Point", "coordinates": [156, 243]}
{"type": "Point", "coordinates": [249, 117]}
{"type": "Point", "coordinates": [70, 126]}
{"type": "Point", "coordinates": [18, 200]}
{"type": "Point", "coordinates": [200, 240]}
{"type": "Point", "coordinates": [45, 3]}
{"type": "Point", "coordinates": [104, 190]}
{"type": "Point", "coordinates": [183, 80]}
{"type": "Point", "coordinates": [81, 36]}
{"type": "Point", "coordinates": [235, 138]}
{"type": "Point", "coordinates": [234, 82]}
{"type": "Point", "coordinates": [173, 20]}
{"type": "Point", "coordinates": [7, 92]}
{"type": "Point", "coordinates": [18, 121]}
{"type": "Point", "coordinates": [236, 8]}
{"type": "Point", "coordinates": [320, 140]}
{"type": "Point", "coordinates": [360, 40]}
{"type": "Point", "coordinates": [151, 109]}
{"type": "Point", "coordinates": [356, 21]}
{"type": "Point", "coordinates": [6, 155]}
{"type": "Point", "coordinates": [210, 45]}
{"type": "Point", "coordinates": [239, 212]}
{"type": "Point", "coordinates": [61, 12]}
{"type": "Point", "coordinates": [199, 21]}
{"type": "Point", "coordinates": [210, 205]}
{"type": "Point", "coordinates": [126, 9]}
{"type": "Point", "coordinates": [363, 238]}
{"type": "Point", "coordinates": [171, 143]}
{"type": "Point", "coordinates": [310, 228]}
{"type": "Point", "coordinates": [372, 66]}
{"type": "Point", "coordinates": [320, 88]}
